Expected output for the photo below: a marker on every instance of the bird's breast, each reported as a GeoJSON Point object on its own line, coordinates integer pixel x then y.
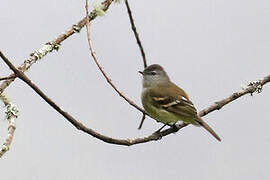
{"type": "Point", "coordinates": [159, 114]}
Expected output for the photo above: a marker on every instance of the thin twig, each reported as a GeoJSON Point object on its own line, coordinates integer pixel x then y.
{"type": "Point", "coordinates": [250, 89]}
{"type": "Point", "coordinates": [255, 86]}
{"type": "Point", "coordinates": [12, 76]}
{"type": "Point", "coordinates": [11, 116]}
{"type": "Point", "coordinates": [142, 121]}
{"type": "Point", "coordinates": [73, 121]}
{"type": "Point", "coordinates": [136, 33]}
{"type": "Point", "coordinates": [128, 142]}
{"type": "Point", "coordinates": [101, 69]}
{"type": "Point", "coordinates": [54, 44]}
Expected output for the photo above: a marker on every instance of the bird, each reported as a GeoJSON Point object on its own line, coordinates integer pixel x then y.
{"type": "Point", "coordinates": [167, 103]}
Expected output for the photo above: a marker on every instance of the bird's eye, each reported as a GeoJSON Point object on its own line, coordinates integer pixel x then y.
{"type": "Point", "coordinates": [153, 72]}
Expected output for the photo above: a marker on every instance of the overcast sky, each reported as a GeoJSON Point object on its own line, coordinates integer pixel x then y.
{"type": "Point", "coordinates": [208, 47]}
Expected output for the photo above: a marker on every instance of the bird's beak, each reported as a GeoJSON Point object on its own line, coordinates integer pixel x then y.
{"type": "Point", "coordinates": [140, 72]}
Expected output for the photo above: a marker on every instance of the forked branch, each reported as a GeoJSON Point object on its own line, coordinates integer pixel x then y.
{"type": "Point", "coordinates": [18, 72]}
{"type": "Point", "coordinates": [253, 87]}
{"type": "Point", "coordinates": [53, 45]}
{"type": "Point", "coordinates": [99, 66]}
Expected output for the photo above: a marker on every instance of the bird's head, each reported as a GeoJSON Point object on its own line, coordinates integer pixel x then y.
{"type": "Point", "coordinates": [154, 75]}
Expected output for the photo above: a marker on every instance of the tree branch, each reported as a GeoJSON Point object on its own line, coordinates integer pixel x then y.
{"type": "Point", "coordinates": [251, 88]}
{"type": "Point", "coordinates": [142, 121]}
{"type": "Point", "coordinates": [18, 72]}
{"type": "Point", "coordinates": [12, 76]}
{"type": "Point", "coordinates": [53, 45]}
{"type": "Point", "coordinates": [136, 34]}
{"type": "Point", "coordinates": [101, 69]}
{"type": "Point", "coordinates": [11, 115]}
{"type": "Point", "coordinates": [72, 120]}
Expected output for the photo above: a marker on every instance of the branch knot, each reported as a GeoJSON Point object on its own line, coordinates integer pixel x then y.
{"type": "Point", "coordinates": [219, 105]}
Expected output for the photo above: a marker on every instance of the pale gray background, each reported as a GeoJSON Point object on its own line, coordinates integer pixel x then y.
{"type": "Point", "coordinates": [209, 47]}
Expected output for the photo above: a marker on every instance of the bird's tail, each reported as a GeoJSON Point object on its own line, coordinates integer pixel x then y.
{"type": "Point", "coordinates": [208, 128]}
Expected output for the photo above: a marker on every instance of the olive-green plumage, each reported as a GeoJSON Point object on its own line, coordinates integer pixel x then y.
{"type": "Point", "coordinates": [166, 102]}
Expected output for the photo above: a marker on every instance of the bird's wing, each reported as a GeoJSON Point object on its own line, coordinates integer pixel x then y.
{"type": "Point", "coordinates": [176, 101]}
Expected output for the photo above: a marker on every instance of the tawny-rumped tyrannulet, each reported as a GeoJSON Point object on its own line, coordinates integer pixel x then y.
{"type": "Point", "coordinates": [166, 102]}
